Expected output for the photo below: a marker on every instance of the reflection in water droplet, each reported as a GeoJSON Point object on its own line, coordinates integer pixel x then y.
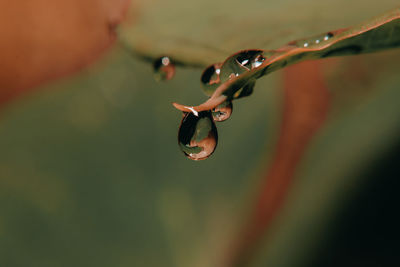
{"type": "Point", "coordinates": [258, 61]}
{"type": "Point", "coordinates": [240, 63]}
{"type": "Point", "coordinates": [223, 111]}
{"type": "Point", "coordinates": [164, 69]}
{"type": "Point", "coordinates": [250, 59]}
{"type": "Point", "coordinates": [210, 78]}
{"type": "Point", "coordinates": [198, 135]}
{"type": "Point", "coordinates": [245, 90]}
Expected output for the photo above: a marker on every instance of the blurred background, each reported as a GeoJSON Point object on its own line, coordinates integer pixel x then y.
{"type": "Point", "coordinates": [91, 173]}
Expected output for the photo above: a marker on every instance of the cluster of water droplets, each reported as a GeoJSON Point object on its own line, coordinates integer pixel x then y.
{"type": "Point", "coordinates": [310, 42]}
{"type": "Point", "coordinates": [198, 136]}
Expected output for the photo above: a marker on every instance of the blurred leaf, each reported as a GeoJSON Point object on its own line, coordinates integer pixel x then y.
{"type": "Point", "coordinates": [43, 40]}
{"type": "Point", "coordinates": [337, 163]}
{"type": "Point", "coordinates": [205, 32]}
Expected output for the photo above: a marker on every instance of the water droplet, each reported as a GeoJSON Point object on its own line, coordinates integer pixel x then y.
{"type": "Point", "coordinates": [210, 78]}
{"type": "Point", "coordinates": [309, 42]}
{"type": "Point", "coordinates": [328, 35]}
{"type": "Point", "coordinates": [164, 69]}
{"type": "Point", "coordinates": [250, 58]}
{"type": "Point", "coordinates": [198, 136]}
{"type": "Point", "coordinates": [241, 62]}
{"type": "Point", "coordinates": [223, 111]}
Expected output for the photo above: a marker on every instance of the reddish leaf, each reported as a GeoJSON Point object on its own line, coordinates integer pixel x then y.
{"type": "Point", "coordinates": [42, 40]}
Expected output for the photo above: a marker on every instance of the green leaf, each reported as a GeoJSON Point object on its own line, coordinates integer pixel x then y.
{"type": "Point", "coordinates": [205, 32]}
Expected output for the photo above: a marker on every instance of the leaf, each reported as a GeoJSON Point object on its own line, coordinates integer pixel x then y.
{"type": "Point", "coordinates": [205, 32]}
{"type": "Point", "coordinates": [380, 33]}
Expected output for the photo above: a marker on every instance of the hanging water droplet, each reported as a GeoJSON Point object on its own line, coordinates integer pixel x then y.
{"type": "Point", "coordinates": [164, 69]}
{"type": "Point", "coordinates": [305, 44]}
{"type": "Point", "coordinates": [198, 135]}
{"type": "Point", "coordinates": [223, 111]}
{"type": "Point", "coordinates": [210, 78]}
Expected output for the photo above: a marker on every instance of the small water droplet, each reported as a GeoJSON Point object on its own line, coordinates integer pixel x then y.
{"type": "Point", "coordinates": [198, 136]}
{"type": "Point", "coordinates": [223, 111]}
{"type": "Point", "coordinates": [241, 62]}
{"type": "Point", "coordinates": [317, 41]}
{"type": "Point", "coordinates": [328, 35]}
{"type": "Point", "coordinates": [210, 78]}
{"type": "Point", "coordinates": [305, 45]}
{"type": "Point", "coordinates": [164, 69]}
